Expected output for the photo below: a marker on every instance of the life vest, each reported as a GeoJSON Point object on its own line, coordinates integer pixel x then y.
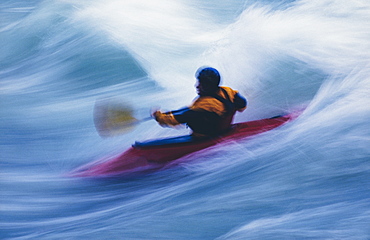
{"type": "Point", "coordinates": [227, 118]}
{"type": "Point", "coordinates": [215, 112]}
{"type": "Point", "coordinates": [209, 115]}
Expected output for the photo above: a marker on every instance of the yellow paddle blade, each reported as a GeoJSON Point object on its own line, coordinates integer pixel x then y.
{"type": "Point", "coordinates": [112, 118]}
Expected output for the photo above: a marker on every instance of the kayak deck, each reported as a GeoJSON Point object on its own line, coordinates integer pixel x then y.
{"type": "Point", "coordinates": [168, 141]}
{"type": "Point", "coordinates": [154, 154]}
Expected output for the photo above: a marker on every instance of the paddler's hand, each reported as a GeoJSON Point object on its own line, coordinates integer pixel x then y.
{"type": "Point", "coordinates": [158, 116]}
{"type": "Point", "coordinates": [155, 114]}
{"type": "Point", "coordinates": [165, 119]}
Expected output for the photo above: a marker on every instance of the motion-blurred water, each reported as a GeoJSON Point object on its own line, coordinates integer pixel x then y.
{"type": "Point", "coordinates": [309, 179]}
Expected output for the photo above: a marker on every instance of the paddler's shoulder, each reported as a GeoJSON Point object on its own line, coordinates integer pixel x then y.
{"type": "Point", "coordinates": [229, 90]}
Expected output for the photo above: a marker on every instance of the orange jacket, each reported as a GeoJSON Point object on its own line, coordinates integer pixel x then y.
{"type": "Point", "coordinates": [208, 115]}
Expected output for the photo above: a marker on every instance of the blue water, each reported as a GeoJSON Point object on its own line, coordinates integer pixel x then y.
{"type": "Point", "coordinates": [309, 179]}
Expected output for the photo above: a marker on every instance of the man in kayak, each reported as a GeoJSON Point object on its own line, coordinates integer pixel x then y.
{"type": "Point", "coordinates": [212, 111]}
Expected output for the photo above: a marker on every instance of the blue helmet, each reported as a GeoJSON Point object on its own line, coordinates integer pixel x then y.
{"type": "Point", "coordinates": [209, 77]}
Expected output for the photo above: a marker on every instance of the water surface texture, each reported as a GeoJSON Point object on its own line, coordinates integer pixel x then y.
{"type": "Point", "coordinates": [309, 179]}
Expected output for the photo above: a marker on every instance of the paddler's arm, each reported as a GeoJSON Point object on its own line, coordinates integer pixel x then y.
{"type": "Point", "coordinates": [240, 102]}
{"type": "Point", "coordinates": [165, 119]}
{"type": "Point", "coordinates": [177, 117]}
{"type": "Point", "coordinates": [170, 118]}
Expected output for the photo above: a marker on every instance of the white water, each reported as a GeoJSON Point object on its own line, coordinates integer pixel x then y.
{"type": "Point", "coordinates": [306, 180]}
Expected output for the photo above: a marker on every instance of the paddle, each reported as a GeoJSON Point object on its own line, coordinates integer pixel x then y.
{"type": "Point", "coordinates": [112, 118]}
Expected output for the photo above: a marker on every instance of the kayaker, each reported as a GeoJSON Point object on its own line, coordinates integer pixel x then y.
{"type": "Point", "coordinates": [212, 111]}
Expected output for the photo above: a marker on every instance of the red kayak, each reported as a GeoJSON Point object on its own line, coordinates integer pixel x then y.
{"type": "Point", "coordinates": [149, 155]}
